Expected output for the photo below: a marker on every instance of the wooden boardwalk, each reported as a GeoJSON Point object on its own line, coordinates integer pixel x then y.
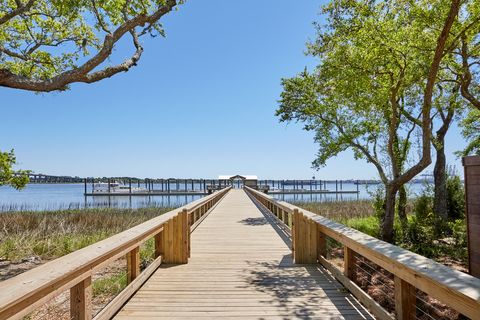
{"type": "Point", "coordinates": [241, 267]}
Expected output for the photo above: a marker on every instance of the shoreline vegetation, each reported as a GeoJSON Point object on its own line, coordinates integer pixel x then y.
{"type": "Point", "coordinates": [448, 247]}
{"type": "Point", "coordinates": [29, 239]}
{"type": "Point", "coordinates": [33, 237]}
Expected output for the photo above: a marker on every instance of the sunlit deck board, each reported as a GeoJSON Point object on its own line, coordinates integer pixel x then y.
{"type": "Point", "coordinates": [241, 267]}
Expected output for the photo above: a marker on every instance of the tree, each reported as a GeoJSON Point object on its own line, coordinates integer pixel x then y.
{"type": "Point", "coordinates": [447, 105]}
{"type": "Point", "coordinates": [459, 77]}
{"type": "Point", "coordinates": [46, 45]}
{"type": "Point", "coordinates": [373, 69]}
{"type": "Point", "coordinates": [466, 48]}
{"type": "Point", "coordinates": [471, 131]}
{"type": "Point", "coordinates": [9, 177]}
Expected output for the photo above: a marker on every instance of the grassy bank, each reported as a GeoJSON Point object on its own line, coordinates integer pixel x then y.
{"type": "Point", "coordinates": [52, 234]}
{"type": "Point", "coordinates": [449, 248]}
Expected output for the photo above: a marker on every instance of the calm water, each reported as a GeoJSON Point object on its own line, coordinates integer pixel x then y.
{"type": "Point", "coordinates": [70, 196]}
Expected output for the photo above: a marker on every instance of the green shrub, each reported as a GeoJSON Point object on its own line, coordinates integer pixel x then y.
{"type": "Point", "coordinates": [419, 236]}
{"type": "Point", "coordinates": [423, 207]}
{"type": "Point", "coordinates": [379, 204]}
{"type": "Point", "coordinates": [455, 198]}
{"type": "Point", "coordinates": [369, 225]}
{"type": "Point", "coordinates": [459, 232]}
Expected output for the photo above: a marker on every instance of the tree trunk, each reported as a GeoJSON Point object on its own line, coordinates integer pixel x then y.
{"type": "Point", "coordinates": [440, 179]}
{"type": "Point", "coordinates": [402, 207]}
{"type": "Point", "coordinates": [387, 232]}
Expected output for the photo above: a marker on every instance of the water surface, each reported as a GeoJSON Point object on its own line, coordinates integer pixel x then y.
{"type": "Point", "coordinates": [70, 196]}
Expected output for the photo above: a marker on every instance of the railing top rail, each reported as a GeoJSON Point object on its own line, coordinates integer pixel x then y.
{"type": "Point", "coordinates": [460, 290]}
{"type": "Point", "coordinates": [61, 273]}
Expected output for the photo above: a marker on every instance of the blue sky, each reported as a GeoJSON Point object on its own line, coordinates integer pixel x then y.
{"type": "Point", "coordinates": [200, 103]}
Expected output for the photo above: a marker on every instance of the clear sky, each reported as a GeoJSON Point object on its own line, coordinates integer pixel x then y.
{"type": "Point", "coordinates": [200, 103]}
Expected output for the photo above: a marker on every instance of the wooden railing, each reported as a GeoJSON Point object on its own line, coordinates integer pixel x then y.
{"type": "Point", "coordinates": [24, 293]}
{"type": "Point", "coordinates": [411, 272]}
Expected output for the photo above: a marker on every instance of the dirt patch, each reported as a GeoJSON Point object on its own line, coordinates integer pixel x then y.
{"type": "Point", "coordinates": [9, 269]}
{"type": "Point", "coordinates": [58, 308]}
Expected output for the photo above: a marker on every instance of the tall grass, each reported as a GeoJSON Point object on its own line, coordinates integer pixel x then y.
{"type": "Point", "coordinates": [340, 211]}
{"type": "Point", "coordinates": [51, 234]}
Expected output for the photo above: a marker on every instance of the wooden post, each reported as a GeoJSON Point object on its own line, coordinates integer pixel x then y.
{"type": "Point", "coordinates": [305, 239]}
{"type": "Point", "coordinates": [405, 299]}
{"type": "Point", "coordinates": [85, 180]}
{"type": "Point", "coordinates": [176, 239]}
{"type": "Point", "coordinates": [321, 243]}
{"type": "Point", "coordinates": [81, 300]}
{"type": "Point", "coordinates": [158, 245]}
{"type": "Point", "coordinates": [133, 264]}
{"type": "Point", "coordinates": [348, 262]}
{"type": "Point", "coordinates": [472, 196]}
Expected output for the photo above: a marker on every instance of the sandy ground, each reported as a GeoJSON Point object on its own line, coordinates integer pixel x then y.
{"type": "Point", "coordinates": [59, 307]}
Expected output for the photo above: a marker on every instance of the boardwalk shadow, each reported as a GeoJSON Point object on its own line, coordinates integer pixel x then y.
{"type": "Point", "coordinates": [276, 224]}
{"type": "Point", "coordinates": [254, 221]}
{"type": "Point", "coordinates": [302, 291]}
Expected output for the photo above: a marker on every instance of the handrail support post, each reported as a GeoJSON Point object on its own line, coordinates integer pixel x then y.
{"type": "Point", "coordinates": [304, 239]}
{"type": "Point", "coordinates": [133, 264]}
{"type": "Point", "coordinates": [81, 300]}
{"type": "Point", "coordinates": [405, 299]}
{"type": "Point", "coordinates": [176, 239]}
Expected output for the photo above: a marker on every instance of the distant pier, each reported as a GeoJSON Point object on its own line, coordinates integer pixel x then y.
{"type": "Point", "coordinates": [113, 187]}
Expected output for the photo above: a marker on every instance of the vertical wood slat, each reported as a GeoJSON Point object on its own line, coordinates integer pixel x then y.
{"type": "Point", "coordinates": [133, 264]}
{"type": "Point", "coordinates": [312, 250]}
{"type": "Point", "coordinates": [471, 166]}
{"type": "Point", "coordinates": [348, 262]}
{"type": "Point", "coordinates": [405, 299]}
{"type": "Point", "coordinates": [81, 300]}
{"type": "Point", "coordinates": [159, 244]}
{"type": "Point", "coordinates": [186, 239]}
{"type": "Point", "coordinates": [321, 243]}
{"type": "Point", "coordinates": [305, 239]}
{"type": "Point", "coordinates": [294, 233]}
{"type": "Point", "coordinates": [176, 239]}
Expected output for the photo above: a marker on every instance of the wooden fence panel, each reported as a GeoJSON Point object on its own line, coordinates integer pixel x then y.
{"type": "Point", "coordinates": [472, 190]}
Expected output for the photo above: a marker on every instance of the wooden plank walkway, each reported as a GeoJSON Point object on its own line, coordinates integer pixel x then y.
{"type": "Point", "coordinates": [241, 267]}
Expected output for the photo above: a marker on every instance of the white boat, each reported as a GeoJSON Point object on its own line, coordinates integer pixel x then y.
{"type": "Point", "coordinates": [115, 187]}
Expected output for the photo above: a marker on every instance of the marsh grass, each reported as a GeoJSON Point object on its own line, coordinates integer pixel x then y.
{"type": "Point", "coordinates": [111, 285]}
{"type": "Point", "coordinates": [340, 211]}
{"type": "Point", "coordinates": [51, 234]}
